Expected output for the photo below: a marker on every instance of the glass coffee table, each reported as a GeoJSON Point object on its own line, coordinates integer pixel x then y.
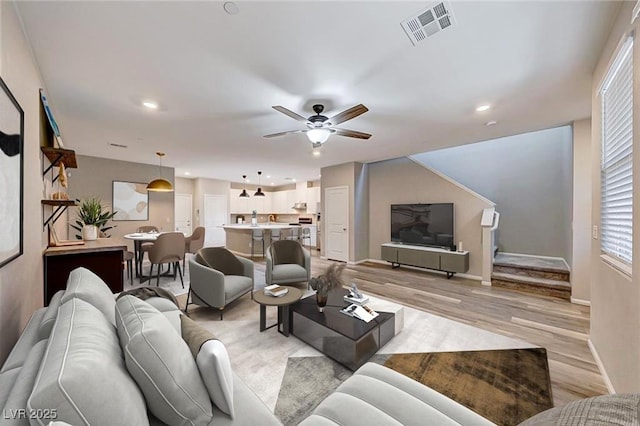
{"type": "Point", "coordinates": [347, 340]}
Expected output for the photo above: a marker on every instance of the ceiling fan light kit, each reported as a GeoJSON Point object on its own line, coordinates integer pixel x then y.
{"type": "Point", "coordinates": [160, 184]}
{"type": "Point", "coordinates": [320, 127]}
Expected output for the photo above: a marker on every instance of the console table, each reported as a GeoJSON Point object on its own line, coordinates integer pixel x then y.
{"type": "Point", "coordinates": [103, 257]}
{"type": "Point", "coordinates": [426, 257]}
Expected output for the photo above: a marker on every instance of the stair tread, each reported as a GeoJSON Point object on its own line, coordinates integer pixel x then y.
{"type": "Point", "coordinates": [530, 280]}
{"type": "Point", "coordinates": [531, 262]}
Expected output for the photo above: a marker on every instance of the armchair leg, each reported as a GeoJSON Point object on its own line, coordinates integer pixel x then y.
{"type": "Point", "coordinates": [186, 305]}
{"type": "Point", "coordinates": [221, 311]}
{"type": "Point", "coordinates": [158, 277]}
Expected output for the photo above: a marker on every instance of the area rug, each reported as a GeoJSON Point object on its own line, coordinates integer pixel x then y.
{"type": "Point", "coordinates": [504, 386]}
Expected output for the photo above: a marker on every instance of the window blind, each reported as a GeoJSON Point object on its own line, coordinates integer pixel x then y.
{"type": "Point", "coordinates": [616, 221]}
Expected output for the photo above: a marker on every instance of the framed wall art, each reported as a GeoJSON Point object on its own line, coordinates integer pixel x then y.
{"type": "Point", "coordinates": [130, 201]}
{"type": "Point", "coordinates": [11, 176]}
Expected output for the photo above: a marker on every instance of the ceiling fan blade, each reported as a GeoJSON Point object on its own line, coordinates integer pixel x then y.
{"type": "Point", "coordinates": [273, 135]}
{"type": "Point", "coordinates": [352, 133]}
{"type": "Point", "coordinates": [290, 113]}
{"type": "Point", "coordinates": [352, 112]}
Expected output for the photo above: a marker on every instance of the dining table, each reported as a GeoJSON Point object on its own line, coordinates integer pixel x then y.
{"type": "Point", "coordinates": [138, 238]}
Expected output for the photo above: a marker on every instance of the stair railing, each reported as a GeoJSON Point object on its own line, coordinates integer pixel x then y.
{"type": "Point", "coordinates": [489, 223]}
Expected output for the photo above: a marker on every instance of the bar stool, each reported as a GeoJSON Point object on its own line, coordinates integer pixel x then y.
{"type": "Point", "coordinates": [275, 234]}
{"type": "Point", "coordinates": [306, 235]}
{"type": "Point", "coordinates": [294, 234]}
{"type": "Point", "coordinates": [257, 235]}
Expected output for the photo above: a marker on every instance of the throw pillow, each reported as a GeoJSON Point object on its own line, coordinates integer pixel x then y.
{"type": "Point", "coordinates": [213, 362]}
{"type": "Point", "coordinates": [160, 362]}
{"type": "Point", "coordinates": [84, 284]}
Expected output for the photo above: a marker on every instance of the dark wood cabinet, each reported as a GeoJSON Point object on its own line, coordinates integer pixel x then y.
{"type": "Point", "coordinates": [103, 257]}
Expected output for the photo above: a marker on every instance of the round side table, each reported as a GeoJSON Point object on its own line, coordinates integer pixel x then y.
{"type": "Point", "coordinates": [283, 303]}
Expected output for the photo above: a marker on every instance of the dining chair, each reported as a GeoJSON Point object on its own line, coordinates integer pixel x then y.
{"type": "Point", "coordinates": [193, 243]}
{"type": "Point", "coordinates": [144, 247]}
{"type": "Point", "coordinates": [168, 248]}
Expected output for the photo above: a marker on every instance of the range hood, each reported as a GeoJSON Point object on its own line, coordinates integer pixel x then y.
{"type": "Point", "coordinates": [299, 206]}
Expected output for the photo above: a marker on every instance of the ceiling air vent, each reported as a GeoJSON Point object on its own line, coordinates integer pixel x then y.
{"type": "Point", "coordinates": [428, 22]}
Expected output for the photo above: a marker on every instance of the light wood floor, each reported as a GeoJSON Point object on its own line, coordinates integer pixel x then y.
{"type": "Point", "coordinates": [557, 325]}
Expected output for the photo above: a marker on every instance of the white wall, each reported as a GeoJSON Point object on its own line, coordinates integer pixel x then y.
{"type": "Point", "coordinates": [400, 181]}
{"type": "Point", "coordinates": [615, 297]}
{"type": "Point", "coordinates": [529, 177]}
{"type": "Point", "coordinates": [21, 281]}
{"type": "Point", "coordinates": [581, 264]}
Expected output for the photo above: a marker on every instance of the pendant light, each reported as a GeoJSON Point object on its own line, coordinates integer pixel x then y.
{"type": "Point", "coordinates": [160, 184]}
{"type": "Point", "coordinates": [259, 192]}
{"type": "Point", "coordinates": [244, 192]}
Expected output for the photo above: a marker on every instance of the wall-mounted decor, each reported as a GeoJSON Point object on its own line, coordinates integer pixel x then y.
{"type": "Point", "coordinates": [11, 175]}
{"type": "Point", "coordinates": [130, 201]}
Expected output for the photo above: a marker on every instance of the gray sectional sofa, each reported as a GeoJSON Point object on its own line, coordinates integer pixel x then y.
{"type": "Point", "coordinates": [87, 359]}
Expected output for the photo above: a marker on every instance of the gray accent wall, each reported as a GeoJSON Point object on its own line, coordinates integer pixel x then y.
{"type": "Point", "coordinates": [529, 177]}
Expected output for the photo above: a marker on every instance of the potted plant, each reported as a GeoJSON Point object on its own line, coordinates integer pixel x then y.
{"type": "Point", "coordinates": [91, 218]}
{"type": "Point", "coordinates": [323, 284]}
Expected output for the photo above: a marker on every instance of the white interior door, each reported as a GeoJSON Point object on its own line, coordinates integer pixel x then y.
{"type": "Point", "coordinates": [337, 223]}
{"type": "Point", "coordinates": [215, 215]}
{"type": "Point", "coordinates": [183, 213]}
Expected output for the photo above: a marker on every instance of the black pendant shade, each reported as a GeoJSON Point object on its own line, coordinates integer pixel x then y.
{"type": "Point", "coordinates": [244, 194]}
{"type": "Point", "coordinates": [259, 193]}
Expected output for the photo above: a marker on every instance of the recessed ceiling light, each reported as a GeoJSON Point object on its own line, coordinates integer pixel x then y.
{"type": "Point", "coordinates": [231, 8]}
{"type": "Point", "coordinates": [187, 174]}
{"type": "Point", "coordinates": [316, 153]}
{"type": "Point", "coordinates": [272, 183]}
{"type": "Point", "coordinates": [293, 179]}
{"type": "Point", "coordinates": [268, 176]}
{"type": "Point", "coordinates": [248, 180]}
{"type": "Point", "coordinates": [150, 104]}
{"type": "Point", "coordinates": [491, 123]}
{"type": "Point", "coordinates": [483, 108]}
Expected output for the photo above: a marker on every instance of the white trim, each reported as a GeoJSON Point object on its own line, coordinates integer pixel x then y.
{"type": "Point", "coordinates": [618, 265]}
{"type": "Point", "coordinates": [600, 365]}
{"type": "Point", "coordinates": [582, 302]}
{"type": "Point", "coordinates": [357, 262]}
{"type": "Point", "coordinates": [485, 283]}
{"type": "Point", "coordinates": [450, 180]}
{"type": "Point", "coordinates": [535, 255]}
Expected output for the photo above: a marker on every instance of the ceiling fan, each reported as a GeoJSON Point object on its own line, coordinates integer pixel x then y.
{"type": "Point", "coordinates": [320, 127]}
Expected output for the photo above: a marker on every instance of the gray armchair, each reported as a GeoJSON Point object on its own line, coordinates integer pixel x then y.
{"type": "Point", "coordinates": [218, 277]}
{"type": "Point", "coordinates": [287, 262]}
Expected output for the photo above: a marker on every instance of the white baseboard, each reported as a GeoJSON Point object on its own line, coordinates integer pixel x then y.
{"type": "Point", "coordinates": [600, 365]}
{"type": "Point", "coordinates": [580, 301]}
{"type": "Point", "coordinates": [485, 283]}
{"type": "Point", "coordinates": [358, 262]}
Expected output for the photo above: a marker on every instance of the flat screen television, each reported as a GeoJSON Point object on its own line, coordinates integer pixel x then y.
{"type": "Point", "coordinates": [423, 224]}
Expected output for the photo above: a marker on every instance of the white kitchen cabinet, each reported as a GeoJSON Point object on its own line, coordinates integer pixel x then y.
{"type": "Point", "coordinates": [313, 198]}
{"type": "Point", "coordinates": [292, 198]}
{"type": "Point", "coordinates": [237, 204]}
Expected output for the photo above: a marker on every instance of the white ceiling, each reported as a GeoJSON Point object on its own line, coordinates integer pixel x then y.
{"type": "Point", "coordinates": [216, 77]}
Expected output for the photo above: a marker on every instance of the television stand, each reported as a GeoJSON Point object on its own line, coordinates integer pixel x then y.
{"type": "Point", "coordinates": [435, 258]}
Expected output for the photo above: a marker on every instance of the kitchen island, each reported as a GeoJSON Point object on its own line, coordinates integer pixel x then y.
{"type": "Point", "coordinates": [239, 236]}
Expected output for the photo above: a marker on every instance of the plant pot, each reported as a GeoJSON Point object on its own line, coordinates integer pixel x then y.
{"type": "Point", "coordinates": [254, 221]}
{"type": "Point", "coordinates": [321, 300]}
{"type": "Point", "coordinates": [89, 232]}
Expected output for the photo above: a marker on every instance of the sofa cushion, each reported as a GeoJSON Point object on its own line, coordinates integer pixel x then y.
{"type": "Point", "coordinates": [82, 374]}
{"type": "Point", "coordinates": [615, 410]}
{"type": "Point", "coordinates": [220, 259]}
{"type": "Point", "coordinates": [213, 363]}
{"type": "Point", "coordinates": [86, 285]}
{"type": "Point", "coordinates": [379, 395]}
{"type": "Point", "coordinates": [160, 362]}
{"type": "Point", "coordinates": [23, 385]}
{"type": "Point", "coordinates": [50, 315]}
{"type": "Point", "coordinates": [29, 337]}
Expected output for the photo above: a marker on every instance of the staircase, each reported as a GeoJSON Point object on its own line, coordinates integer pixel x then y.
{"type": "Point", "coordinates": [532, 274]}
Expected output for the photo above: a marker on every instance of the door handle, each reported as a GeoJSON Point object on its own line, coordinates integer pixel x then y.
{"type": "Point", "coordinates": [344, 229]}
